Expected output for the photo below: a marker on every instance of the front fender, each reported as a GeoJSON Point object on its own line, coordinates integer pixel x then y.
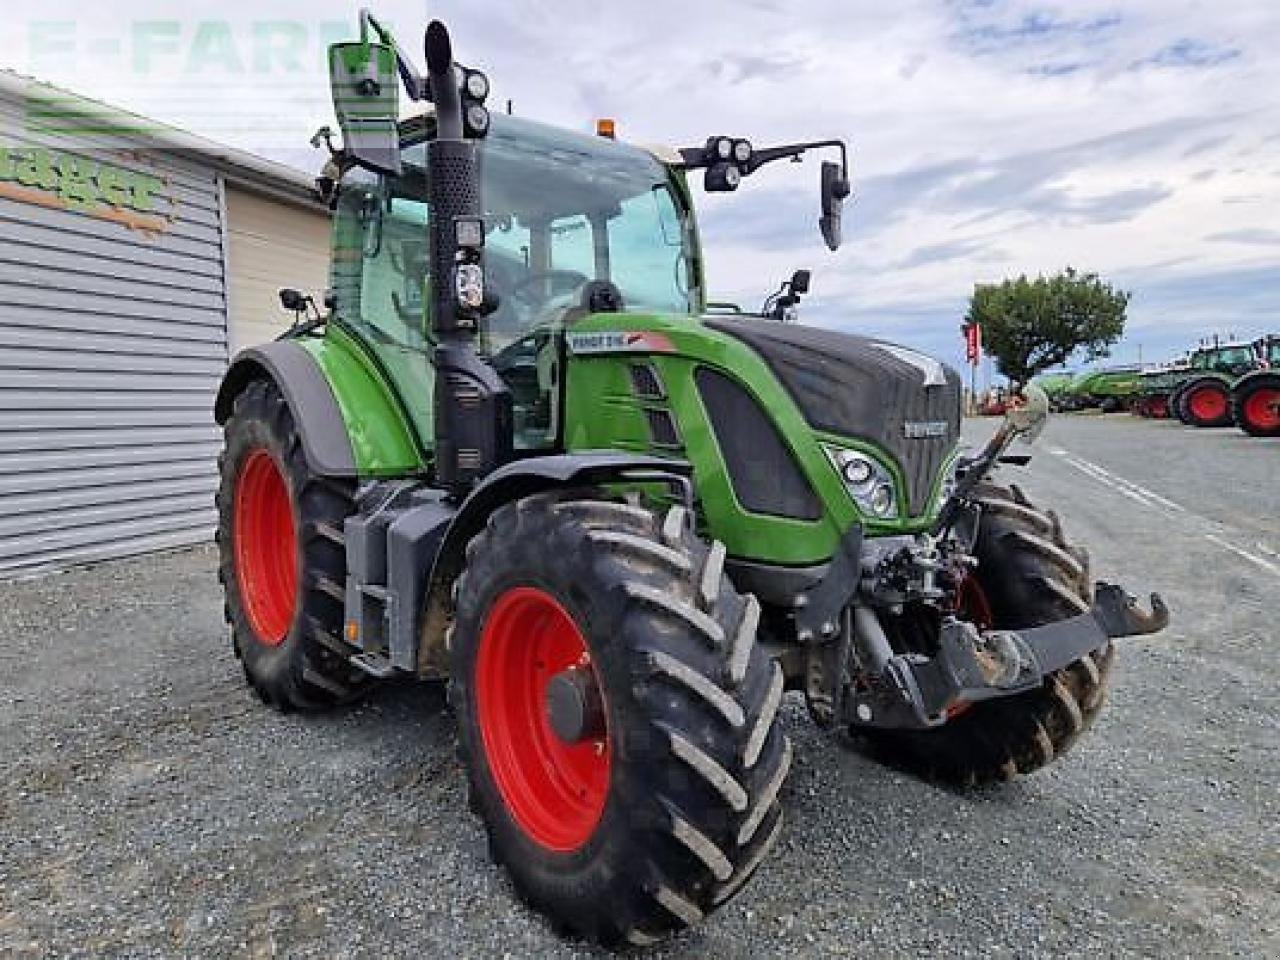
{"type": "Point", "coordinates": [514, 480]}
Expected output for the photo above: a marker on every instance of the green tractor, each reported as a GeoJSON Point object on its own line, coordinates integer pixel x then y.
{"type": "Point", "coordinates": [1255, 397]}
{"type": "Point", "coordinates": [1201, 397]}
{"type": "Point", "coordinates": [517, 454]}
{"type": "Point", "coordinates": [1152, 399]}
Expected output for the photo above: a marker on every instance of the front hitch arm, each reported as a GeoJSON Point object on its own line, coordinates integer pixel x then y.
{"type": "Point", "coordinates": [917, 692]}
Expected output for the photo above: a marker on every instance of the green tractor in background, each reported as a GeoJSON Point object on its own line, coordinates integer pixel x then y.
{"type": "Point", "coordinates": [1201, 395]}
{"type": "Point", "coordinates": [518, 454]}
{"type": "Point", "coordinates": [1255, 397]}
{"type": "Point", "coordinates": [1152, 399]}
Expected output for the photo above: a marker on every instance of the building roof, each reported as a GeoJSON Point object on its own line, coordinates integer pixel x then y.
{"type": "Point", "coordinates": [110, 127]}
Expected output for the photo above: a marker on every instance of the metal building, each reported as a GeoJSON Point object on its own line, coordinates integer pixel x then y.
{"type": "Point", "coordinates": [134, 260]}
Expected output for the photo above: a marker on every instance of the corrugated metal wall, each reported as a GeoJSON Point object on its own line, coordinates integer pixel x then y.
{"type": "Point", "coordinates": [112, 344]}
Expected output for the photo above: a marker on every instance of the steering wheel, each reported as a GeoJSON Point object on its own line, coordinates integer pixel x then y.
{"type": "Point", "coordinates": [568, 279]}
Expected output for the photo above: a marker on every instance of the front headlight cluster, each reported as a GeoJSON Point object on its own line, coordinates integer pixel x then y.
{"type": "Point", "coordinates": [868, 481]}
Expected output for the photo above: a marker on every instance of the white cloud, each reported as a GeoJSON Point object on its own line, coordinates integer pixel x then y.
{"type": "Point", "coordinates": [991, 137]}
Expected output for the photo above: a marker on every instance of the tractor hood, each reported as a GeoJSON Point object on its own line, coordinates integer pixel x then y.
{"type": "Point", "coordinates": [903, 402]}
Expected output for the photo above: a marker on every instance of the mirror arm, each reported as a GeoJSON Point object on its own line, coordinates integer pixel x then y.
{"type": "Point", "coordinates": [694, 158]}
{"type": "Point", "coordinates": [414, 83]}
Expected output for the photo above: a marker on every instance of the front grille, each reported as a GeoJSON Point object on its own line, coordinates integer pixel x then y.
{"type": "Point", "coordinates": [856, 387]}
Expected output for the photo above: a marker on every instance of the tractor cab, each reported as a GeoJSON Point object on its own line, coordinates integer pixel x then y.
{"type": "Point", "coordinates": [572, 225]}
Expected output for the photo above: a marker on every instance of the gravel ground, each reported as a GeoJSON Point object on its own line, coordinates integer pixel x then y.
{"type": "Point", "coordinates": [151, 807]}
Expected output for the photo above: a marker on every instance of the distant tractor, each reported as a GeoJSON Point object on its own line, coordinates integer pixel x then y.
{"type": "Point", "coordinates": [1255, 397]}
{"type": "Point", "coordinates": [1202, 395]}
{"type": "Point", "coordinates": [1152, 398]}
{"type": "Point", "coordinates": [518, 455]}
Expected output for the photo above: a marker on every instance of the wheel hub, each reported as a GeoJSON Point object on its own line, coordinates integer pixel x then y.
{"type": "Point", "coordinates": [575, 709]}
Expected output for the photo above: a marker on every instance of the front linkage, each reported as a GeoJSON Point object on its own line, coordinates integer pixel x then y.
{"type": "Point", "coordinates": [856, 678]}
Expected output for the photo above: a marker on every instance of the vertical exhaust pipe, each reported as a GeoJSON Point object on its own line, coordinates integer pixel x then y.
{"type": "Point", "coordinates": [473, 419]}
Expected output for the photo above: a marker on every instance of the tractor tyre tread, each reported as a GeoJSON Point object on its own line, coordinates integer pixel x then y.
{"type": "Point", "coordinates": [1027, 584]}
{"type": "Point", "coordinates": [309, 670]}
{"type": "Point", "coordinates": [698, 759]}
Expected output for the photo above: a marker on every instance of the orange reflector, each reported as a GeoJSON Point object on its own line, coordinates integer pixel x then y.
{"type": "Point", "coordinates": [353, 631]}
{"type": "Point", "coordinates": [605, 127]}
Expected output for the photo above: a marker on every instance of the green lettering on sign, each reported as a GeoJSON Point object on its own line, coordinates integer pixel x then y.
{"type": "Point", "coordinates": [51, 178]}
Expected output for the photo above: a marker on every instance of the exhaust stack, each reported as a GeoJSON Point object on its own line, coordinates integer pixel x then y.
{"type": "Point", "coordinates": [473, 420]}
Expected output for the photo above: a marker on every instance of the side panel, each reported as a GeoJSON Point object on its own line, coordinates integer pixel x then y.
{"type": "Point", "coordinates": [604, 411]}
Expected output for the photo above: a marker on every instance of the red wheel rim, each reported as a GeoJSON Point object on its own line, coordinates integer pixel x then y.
{"type": "Point", "coordinates": [1208, 404]}
{"type": "Point", "coordinates": [972, 604]}
{"type": "Point", "coordinates": [1160, 408]}
{"type": "Point", "coordinates": [554, 791]}
{"type": "Point", "coordinates": [1262, 408]}
{"type": "Point", "coordinates": [265, 548]}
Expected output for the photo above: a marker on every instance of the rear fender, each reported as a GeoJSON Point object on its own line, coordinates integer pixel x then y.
{"type": "Point", "coordinates": [324, 434]}
{"type": "Point", "coordinates": [351, 419]}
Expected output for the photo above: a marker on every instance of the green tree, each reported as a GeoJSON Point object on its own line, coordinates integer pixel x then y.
{"type": "Point", "coordinates": [1032, 325]}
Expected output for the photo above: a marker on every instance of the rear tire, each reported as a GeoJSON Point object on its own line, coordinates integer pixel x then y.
{"type": "Point", "coordinates": [282, 558]}
{"type": "Point", "coordinates": [692, 753]}
{"type": "Point", "coordinates": [1257, 406]}
{"type": "Point", "coordinates": [1029, 575]}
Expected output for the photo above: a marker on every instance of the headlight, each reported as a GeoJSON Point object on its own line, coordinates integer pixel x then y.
{"type": "Point", "coordinates": [741, 151]}
{"type": "Point", "coordinates": [868, 481]}
{"type": "Point", "coordinates": [469, 285]}
{"type": "Point", "coordinates": [477, 85]}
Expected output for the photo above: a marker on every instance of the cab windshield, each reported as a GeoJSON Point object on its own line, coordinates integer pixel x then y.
{"type": "Point", "coordinates": [561, 209]}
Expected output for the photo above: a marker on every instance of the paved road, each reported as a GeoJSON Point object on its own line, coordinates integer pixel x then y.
{"type": "Point", "coordinates": [150, 807]}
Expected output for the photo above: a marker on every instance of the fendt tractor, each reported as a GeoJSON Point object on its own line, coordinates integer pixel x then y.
{"type": "Point", "coordinates": [1255, 397]}
{"type": "Point", "coordinates": [1201, 394]}
{"type": "Point", "coordinates": [516, 452]}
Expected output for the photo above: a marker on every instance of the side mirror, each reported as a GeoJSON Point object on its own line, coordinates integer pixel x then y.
{"type": "Point", "coordinates": [365, 83]}
{"type": "Point", "coordinates": [800, 281]}
{"type": "Point", "coordinates": [291, 299]}
{"type": "Point", "coordinates": [834, 189]}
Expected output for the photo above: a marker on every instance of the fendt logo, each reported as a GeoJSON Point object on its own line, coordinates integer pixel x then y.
{"type": "Point", "coordinates": [61, 181]}
{"type": "Point", "coordinates": [925, 429]}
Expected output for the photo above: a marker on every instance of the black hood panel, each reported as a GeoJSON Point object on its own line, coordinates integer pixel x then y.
{"type": "Point", "coordinates": [861, 388]}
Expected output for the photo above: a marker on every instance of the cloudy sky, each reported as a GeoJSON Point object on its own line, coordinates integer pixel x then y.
{"type": "Point", "coordinates": [1139, 139]}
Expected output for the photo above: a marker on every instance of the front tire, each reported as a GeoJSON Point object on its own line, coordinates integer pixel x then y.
{"type": "Point", "coordinates": [660, 807]}
{"type": "Point", "coordinates": [282, 558]}
{"type": "Point", "coordinates": [1027, 575]}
